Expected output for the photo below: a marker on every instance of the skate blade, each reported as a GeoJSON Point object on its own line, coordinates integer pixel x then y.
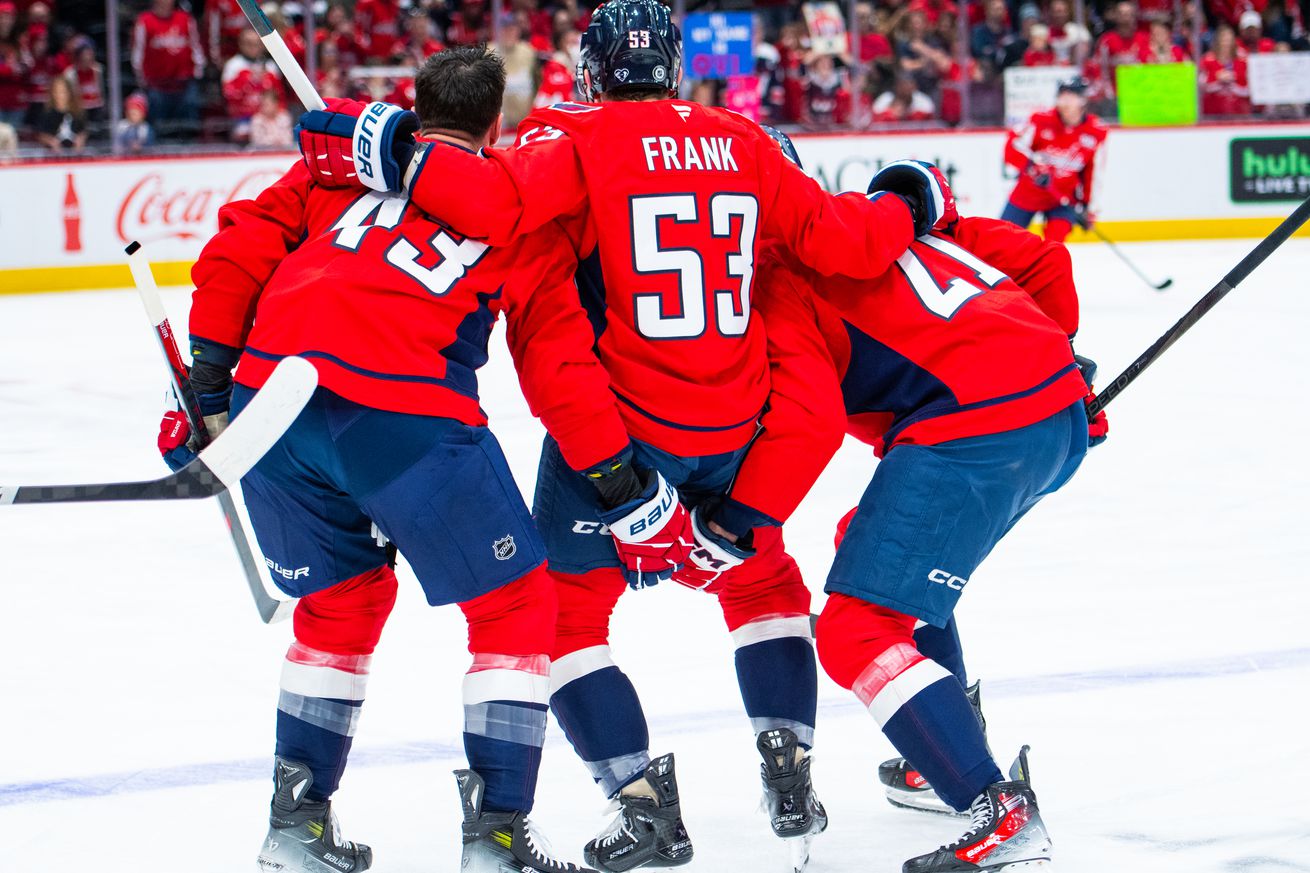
{"type": "Point", "coordinates": [921, 803]}
{"type": "Point", "coordinates": [1036, 865]}
{"type": "Point", "coordinates": [798, 849]}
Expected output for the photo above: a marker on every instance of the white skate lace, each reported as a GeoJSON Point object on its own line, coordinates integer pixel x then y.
{"type": "Point", "coordinates": [539, 846]}
{"type": "Point", "coordinates": [618, 829]}
{"type": "Point", "coordinates": [980, 817]}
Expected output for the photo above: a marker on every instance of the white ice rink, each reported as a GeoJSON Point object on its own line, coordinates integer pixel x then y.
{"type": "Point", "coordinates": [1145, 630]}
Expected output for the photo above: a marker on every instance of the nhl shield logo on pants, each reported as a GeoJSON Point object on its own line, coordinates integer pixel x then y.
{"type": "Point", "coordinates": [504, 548]}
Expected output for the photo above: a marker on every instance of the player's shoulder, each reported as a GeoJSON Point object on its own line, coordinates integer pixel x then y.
{"type": "Point", "coordinates": [1043, 117]}
{"type": "Point", "coordinates": [1093, 125]}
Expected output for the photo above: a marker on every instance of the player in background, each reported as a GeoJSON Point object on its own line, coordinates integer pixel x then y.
{"type": "Point", "coordinates": [394, 310]}
{"type": "Point", "coordinates": [964, 382]}
{"type": "Point", "coordinates": [668, 203]}
{"type": "Point", "coordinates": [1056, 154]}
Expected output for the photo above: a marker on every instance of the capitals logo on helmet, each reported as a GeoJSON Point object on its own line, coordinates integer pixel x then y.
{"type": "Point", "coordinates": [630, 43]}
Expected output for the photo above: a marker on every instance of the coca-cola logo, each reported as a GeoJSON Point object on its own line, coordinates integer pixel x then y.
{"type": "Point", "coordinates": [153, 210]}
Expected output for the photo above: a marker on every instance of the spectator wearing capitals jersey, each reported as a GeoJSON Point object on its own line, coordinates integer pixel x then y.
{"type": "Point", "coordinates": [1055, 154]}
{"type": "Point", "coordinates": [41, 68]}
{"type": "Point", "coordinates": [168, 61]}
{"type": "Point", "coordinates": [1069, 40]}
{"type": "Point", "coordinates": [903, 103]}
{"type": "Point", "coordinates": [1126, 43]}
{"type": "Point", "coordinates": [557, 71]}
{"type": "Point", "coordinates": [223, 22]}
{"type": "Point", "coordinates": [1039, 52]}
{"type": "Point", "coordinates": [246, 77]}
{"type": "Point", "coordinates": [1162, 48]}
{"type": "Point", "coordinates": [88, 78]}
{"type": "Point", "coordinates": [1224, 89]}
{"type": "Point", "coordinates": [419, 42]}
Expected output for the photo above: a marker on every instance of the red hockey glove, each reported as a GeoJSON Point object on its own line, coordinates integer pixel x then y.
{"type": "Point", "coordinates": [325, 142]}
{"type": "Point", "coordinates": [174, 436]}
{"type": "Point", "coordinates": [652, 533]}
{"type": "Point", "coordinates": [712, 556]}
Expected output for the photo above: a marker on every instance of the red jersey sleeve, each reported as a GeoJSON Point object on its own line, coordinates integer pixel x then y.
{"type": "Point", "coordinates": [843, 234]}
{"type": "Point", "coordinates": [551, 342]}
{"type": "Point", "coordinates": [806, 417]}
{"type": "Point", "coordinates": [509, 193]}
{"type": "Point", "coordinates": [253, 238]}
{"type": "Point", "coordinates": [1019, 145]}
{"type": "Point", "coordinates": [1043, 269]}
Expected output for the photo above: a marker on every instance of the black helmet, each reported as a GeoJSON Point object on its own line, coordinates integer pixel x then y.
{"type": "Point", "coordinates": [630, 42]}
{"type": "Point", "coordinates": [1075, 85]}
{"type": "Point", "coordinates": [784, 141]}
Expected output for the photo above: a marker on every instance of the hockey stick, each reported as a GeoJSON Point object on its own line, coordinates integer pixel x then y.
{"type": "Point", "coordinates": [1255, 258]}
{"type": "Point", "coordinates": [218, 466]}
{"type": "Point", "coordinates": [271, 609]}
{"type": "Point", "coordinates": [286, 62]}
{"type": "Point", "coordinates": [1158, 286]}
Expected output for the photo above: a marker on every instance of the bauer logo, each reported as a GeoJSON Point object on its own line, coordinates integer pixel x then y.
{"type": "Point", "coordinates": [504, 548]}
{"type": "Point", "coordinates": [1269, 169]}
{"type": "Point", "coordinates": [287, 572]}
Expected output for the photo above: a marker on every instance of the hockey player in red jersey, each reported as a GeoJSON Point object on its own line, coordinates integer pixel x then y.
{"type": "Point", "coordinates": [668, 203]}
{"type": "Point", "coordinates": [963, 380]}
{"type": "Point", "coordinates": [1056, 154]}
{"type": "Point", "coordinates": [394, 309]}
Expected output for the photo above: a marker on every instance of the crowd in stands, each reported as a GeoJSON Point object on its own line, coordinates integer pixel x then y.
{"type": "Point", "coordinates": [199, 72]}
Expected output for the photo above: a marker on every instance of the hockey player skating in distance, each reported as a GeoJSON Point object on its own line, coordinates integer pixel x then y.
{"type": "Point", "coordinates": [1056, 154]}
{"type": "Point", "coordinates": [668, 203]}
{"type": "Point", "coordinates": [956, 366]}
{"type": "Point", "coordinates": [395, 310]}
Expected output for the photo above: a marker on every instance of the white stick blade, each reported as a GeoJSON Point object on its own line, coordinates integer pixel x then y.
{"type": "Point", "coordinates": [263, 422]}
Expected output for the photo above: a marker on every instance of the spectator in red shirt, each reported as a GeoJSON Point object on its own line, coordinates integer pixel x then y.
{"type": "Point", "coordinates": [351, 49]}
{"type": "Point", "coordinates": [1039, 53]}
{"type": "Point", "coordinates": [246, 76]}
{"type": "Point", "coordinates": [419, 41]}
{"type": "Point", "coordinates": [13, 86]}
{"type": "Point", "coordinates": [378, 22]}
{"type": "Point", "coordinates": [168, 60]}
{"type": "Point", "coordinates": [88, 79]}
{"type": "Point", "coordinates": [224, 22]}
{"type": "Point", "coordinates": [1250, 35]}
{"type": "Point", "coordinates": [557, 71]}
{"type": "Point", "coordinates": [469, 24]}
{"type": "Point", "coordinates": [8, 24]}
{"type": "Point", "coordinates": [1224, 89]}
{"type": "Point", "coordinates": [1162, 48]}
{"type": "Point", "coordinates": [1126, 43]}
{"type": "Point", "coordinates": [903, 102]}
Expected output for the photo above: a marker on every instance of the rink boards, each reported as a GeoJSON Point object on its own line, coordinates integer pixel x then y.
{"type": "Point", "coordinates": [64, 225]}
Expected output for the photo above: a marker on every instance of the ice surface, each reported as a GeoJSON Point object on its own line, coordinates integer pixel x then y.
{"type": "Point", "coordinates": [1144, 630]}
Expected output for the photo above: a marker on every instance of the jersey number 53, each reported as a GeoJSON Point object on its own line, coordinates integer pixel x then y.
{"type": "Point", "coordinates": [732, 308]}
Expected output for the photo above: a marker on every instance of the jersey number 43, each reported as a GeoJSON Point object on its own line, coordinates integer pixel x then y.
{"type": "Point", "coordinates": [732, 307]}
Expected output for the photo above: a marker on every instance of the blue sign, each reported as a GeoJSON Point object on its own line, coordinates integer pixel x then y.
{"type": "Point", "coordinates": [717, 45]}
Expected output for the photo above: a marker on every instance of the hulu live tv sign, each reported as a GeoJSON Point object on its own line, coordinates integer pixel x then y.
{"type": "Point", "coordinates": [1269, 169]}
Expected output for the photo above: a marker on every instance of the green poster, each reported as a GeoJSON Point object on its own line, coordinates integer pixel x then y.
{"type": "Point", "coordinates": [1156, 94]}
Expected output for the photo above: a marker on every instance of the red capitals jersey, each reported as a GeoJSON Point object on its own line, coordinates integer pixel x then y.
{"type": "Point", "coordinates": [394, 310]}
{"type": "Point", "coordinates": [166, 51]}
{"type": "Point", "coordinates": [669, 202]}
{"type": "Point", "coordinates": [245, 81]}
{"type": "Point", "coordinates": [945, 345]}
{"type": "Point", "coordinates": [1047, 146]}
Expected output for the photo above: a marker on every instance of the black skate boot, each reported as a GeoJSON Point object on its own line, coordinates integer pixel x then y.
{"type": "Point", "coordinates": [302, 835]}
{"type": "Point", "coordinates": [905, 787]}
{"type": "Point", "coordinates": [502, 842]}
{"type": "Point", "coordinates": [795, 813]}
{"type": "Point", "coordinates": [1006, 834]}
{"type": "Point", "coordinates": [648, 831]}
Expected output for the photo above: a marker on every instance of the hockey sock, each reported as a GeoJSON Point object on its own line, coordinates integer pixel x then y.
{"type": "Point", "coordinates": [601, 715]}
{"type": "Point", "coordinates": [325, 674]}
{"type": "Point", "coordinates": [943, 646]}
{"type": "Point", "coordinates": [920, 706]}
{"type": "Point", "coordinates": [778, 676]}
{"type": "Point", "coordinates": [1058, 229]}
{"type": "Point", "coordinates": [505, 726]}
{"type": "Point", "coordinates": [511, 631]}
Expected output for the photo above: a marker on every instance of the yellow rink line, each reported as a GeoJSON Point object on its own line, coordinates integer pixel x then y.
{"type": "Point", "coordinates": [79, 278]}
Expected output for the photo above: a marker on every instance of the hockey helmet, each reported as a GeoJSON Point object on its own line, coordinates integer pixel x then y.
{"type": "Point", "coordinates": [784, 141]}
{"type": "Point", "coordinates": [630, 42]}
{"type": "Point", "coordinates": [1074, 85]}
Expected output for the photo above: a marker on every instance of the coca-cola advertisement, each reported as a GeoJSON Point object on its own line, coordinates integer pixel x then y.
{"type": "Point", "coordinates": [82, 213]}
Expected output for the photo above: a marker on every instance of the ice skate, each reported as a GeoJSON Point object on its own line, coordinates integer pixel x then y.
{"type": "Point", "coordinates": [1006, 833]}
{"type": "Point", "coordinates": [905, 787]}
{"type": "Point", "coordinates": [302, 835]}
{"type": "Point", "coordinates": [648, 831]}
{"type": "Point", "coordinates": [795, 813]}
{"type": "Point", "coordinates": [502, 842]}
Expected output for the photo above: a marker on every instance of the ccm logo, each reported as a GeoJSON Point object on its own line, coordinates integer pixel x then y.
{"type": "Point", "coordinates": [590, 527]}
{"type": "Point", "coordinates": [941, 577]}
{"type": "Point", "coordinates": [285, 572]}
